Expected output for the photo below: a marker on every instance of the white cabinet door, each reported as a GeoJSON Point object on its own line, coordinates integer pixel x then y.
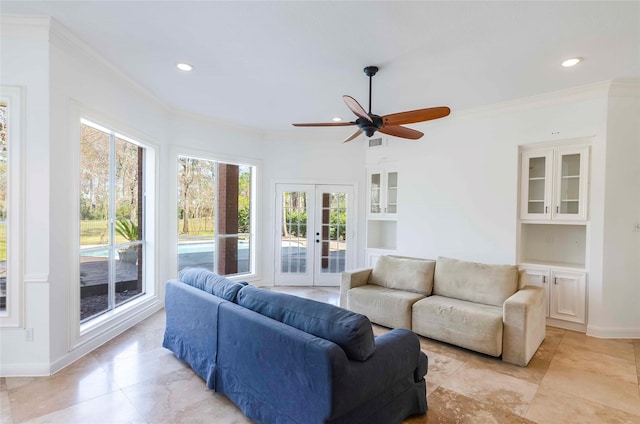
{"type": "Point", "coordinates": [568, 296]}
{"type": "Point", "coordinates": [536, 184]}
{"type": "Point", "coordinates": [554, 184]}
{"type": "Point", "coordinates": [570, 184]}
{"type": "Point", "coordinates": [540, 277]}
{"type": "Point", "coordinates": [382, 194]}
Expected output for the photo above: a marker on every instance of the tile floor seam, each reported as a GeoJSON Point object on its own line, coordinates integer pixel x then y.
{"type": "Point", "coordinates": [550, 386]}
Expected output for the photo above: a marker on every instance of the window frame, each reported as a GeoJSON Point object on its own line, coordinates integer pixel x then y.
{"type": "Point", "coordinates": [84, 332]}
{"type": "Point", "coordinates": [256, 165]}
{"type": "Point", "coordinates": [13, 97]}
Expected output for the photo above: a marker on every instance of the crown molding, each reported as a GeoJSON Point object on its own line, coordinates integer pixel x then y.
{"type": "Point", "coordinates": [30, 27]}
{"type": "Point", "coordinates": [62, 37]}
{"type": "Point", "coordinates": [625, 88]}
{"type": "Point", "coordinates": [554, 98]}
{"type": "Point", "coordinates": [218, 123]}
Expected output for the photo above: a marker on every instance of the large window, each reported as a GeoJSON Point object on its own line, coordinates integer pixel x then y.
{"type": "Point", "coordinates": [215, 201]}
{"type": "Point", "coordinates": [113, 236]}
{"type": "Point", "coordinates": [10, 201]}
{"type": "Point", "coordinates": [4, 147]}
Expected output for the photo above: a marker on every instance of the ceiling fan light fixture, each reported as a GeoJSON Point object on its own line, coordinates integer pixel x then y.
{"type": "Point", "coordinates": [184, 66]}
{"type": "Point", "coordinates": [337, 119]}
{"type": "Point", "coordinates": [573, 61]}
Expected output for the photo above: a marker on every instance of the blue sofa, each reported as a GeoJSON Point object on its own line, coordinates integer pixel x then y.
{"type": "Point", "coordinates": [285, 359]}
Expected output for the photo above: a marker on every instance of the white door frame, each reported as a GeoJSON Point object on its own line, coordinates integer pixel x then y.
{"type": "Point", "coordinates": [310, 245]}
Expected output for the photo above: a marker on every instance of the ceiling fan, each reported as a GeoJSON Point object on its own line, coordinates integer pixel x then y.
{"type": "Point", "coordinates": [369, 123]}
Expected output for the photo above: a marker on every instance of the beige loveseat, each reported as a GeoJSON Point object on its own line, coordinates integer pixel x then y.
{"type": "Point", "coordinates": [486, 308]}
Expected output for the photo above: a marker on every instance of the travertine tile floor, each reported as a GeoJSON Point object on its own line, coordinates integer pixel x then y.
{"type": "Point", "coordinates": [132, 379]}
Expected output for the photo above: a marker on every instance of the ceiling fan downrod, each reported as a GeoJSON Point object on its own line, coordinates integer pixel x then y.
{"type": "Point", "coordinates": [370, 71]}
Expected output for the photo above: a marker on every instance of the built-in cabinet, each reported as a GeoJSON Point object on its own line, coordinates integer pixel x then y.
{"type": "Point", "coordinates": [382, 199]}
{"type": "Point", "coordinates": [382, 210]}
{"type": "Point", "coordinates": [554, 183]}
{"type": "Point", "coordinates": [565, 292]}
{"type": "Point", "coordinates": [554, 227]}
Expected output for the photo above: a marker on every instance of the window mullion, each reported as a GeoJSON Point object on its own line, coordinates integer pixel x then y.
{"type": "Point", "coordinates": [216, 235]}
{"type": "Point", "coordinates": [112, 214]}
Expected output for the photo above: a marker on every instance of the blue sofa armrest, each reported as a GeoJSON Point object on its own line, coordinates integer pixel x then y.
{"type": "Point", "coordinates": [191, 331]}
{"type": "Point", "coordinates": [397, 363]}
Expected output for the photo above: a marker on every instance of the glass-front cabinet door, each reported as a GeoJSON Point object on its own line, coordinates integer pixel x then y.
{"type": "Point", "coordinates": [375, 192]}
{"type": "Point", "coordinates": [571, 184]}
{"type": "Point", "coordinates": [392, 193]}
{"type": "Point", "coordinates": [554, 184]}
{"type": "Point", "coordinates": [382, 194]}
{"type": "Point", "coordinates": [537, 169]}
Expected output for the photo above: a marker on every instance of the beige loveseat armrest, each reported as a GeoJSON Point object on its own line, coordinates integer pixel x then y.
{"type": "Point", "coordinates": [351, 279]}
{"type": "Point", "coordinates": [524, 325]}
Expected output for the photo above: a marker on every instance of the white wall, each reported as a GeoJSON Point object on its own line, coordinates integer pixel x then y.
{"type": "Point", "coordinates": [309, 156]}
{"type": "Point", "coordinates": [64, 80]}
{"type": "Point", "coordinates": [458, 193]}
{"type": "Point", "coordinates": [82, 84]}
{"type": "Point", "coordinates": [617, 311]}
{"type": "Point", "coordinates": [25, 59]}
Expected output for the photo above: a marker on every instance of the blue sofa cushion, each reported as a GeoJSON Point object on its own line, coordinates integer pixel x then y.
{"type": "Point", "coordinates": [349, 330]}
{"type": "Point", "coordinates": [211, 282]}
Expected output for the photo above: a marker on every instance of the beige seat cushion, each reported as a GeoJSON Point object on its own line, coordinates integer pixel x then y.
{"type": "Point", "coordinates": [475, 282]}
{"type": "Point", "coordinates": [470, 325]}
{"type": "Point", "coordinates": [384, 306]}
{"type": "Point", "coordinates": [401, 273]}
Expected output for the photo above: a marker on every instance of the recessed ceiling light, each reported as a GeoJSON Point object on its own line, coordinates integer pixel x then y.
{"type": "Point", "coordinates": [571, 62]}
{"type": "Point", "coordinates": [184, 66]}
{"type": "Point", "coordinates": [337, 119]}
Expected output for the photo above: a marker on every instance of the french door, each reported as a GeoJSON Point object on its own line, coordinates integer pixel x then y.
{"type": "Point", "coordinates": [315, 231]}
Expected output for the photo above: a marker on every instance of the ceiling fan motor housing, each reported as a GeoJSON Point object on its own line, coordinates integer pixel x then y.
{"type": "Point", "coordinates": [368, 127]}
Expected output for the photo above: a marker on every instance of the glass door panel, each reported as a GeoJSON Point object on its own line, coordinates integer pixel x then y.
{"type": "Point", "coordinates": [537, 179]}
{"type": "Point", "coordinates": [311, 247]}
{"type": "Point", "coordinates": [375, 201]}
{"type": "Point", "coordinates": [570, 184]}
{"type": "Point", "coordinates": [392, 192]}
{"type": "Point", "coordinates": [294, 217]}
{"type": "Point", "coordinates": [333, 240]}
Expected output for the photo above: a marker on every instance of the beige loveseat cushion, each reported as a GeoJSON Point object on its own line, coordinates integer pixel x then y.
{"type": "Point", "coordinates": [384, 306]}
{"type": "Point", "coordinates": [475, 282]}
{"type": "Point", "coordinates": [407, 274]}
{"type": "Point", "coordinates": [470, 325]}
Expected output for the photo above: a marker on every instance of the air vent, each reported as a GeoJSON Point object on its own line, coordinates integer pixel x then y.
{"type": "Point", "coordinates": [375, 142]}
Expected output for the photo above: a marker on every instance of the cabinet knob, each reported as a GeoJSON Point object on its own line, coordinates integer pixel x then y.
{"type": "Point", "coordinates": [544, 279]}
{"type": "Point", "coordinates": [546, 209]}
{"type": "Point", "coordinates": [555, 281]}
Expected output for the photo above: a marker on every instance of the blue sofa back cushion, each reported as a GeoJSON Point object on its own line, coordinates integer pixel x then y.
{"type": "Point", "coordinates": [211, 282]}
{"type": "Point", "coordinates": [349, 330]}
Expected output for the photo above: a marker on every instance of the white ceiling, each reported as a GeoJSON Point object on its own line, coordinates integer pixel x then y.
{"type": "Point", "coordinates": [268, 64]}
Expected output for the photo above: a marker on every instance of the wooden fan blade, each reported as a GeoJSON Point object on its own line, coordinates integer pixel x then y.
{"type": "Point", "coordinates": [356, 108]}
{"type": "Point", "coordinates": [401, 132]}
{"type": "Point", "coordinates": [325, 124]}
{"type": "Point", "coordinates": [354, 135]}
{"type": "Point", "coordinates": [414, 116]}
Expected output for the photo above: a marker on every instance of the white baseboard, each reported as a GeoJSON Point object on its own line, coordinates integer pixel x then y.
{"type": "Point", "coordinates": [46, 369]}
{"type": "Point", "coordinates": [613, 332]}
{"type": "Point", "coordinates": [104, 336]}
{"type": "Point", "coordinates": [24, 370]}
{"type": "Point", "coordinates": [566, 325]}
